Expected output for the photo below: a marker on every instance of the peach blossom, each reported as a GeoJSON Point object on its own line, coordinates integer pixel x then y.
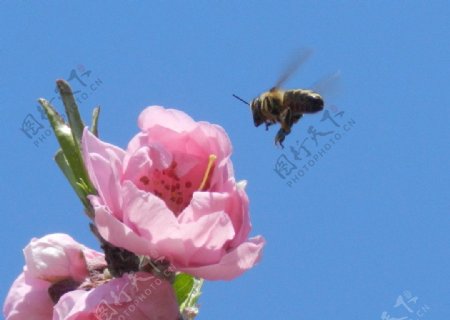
{"type": "Point", "coordinates": [172, 194]}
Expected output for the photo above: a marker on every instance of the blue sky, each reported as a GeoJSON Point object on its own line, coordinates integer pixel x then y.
{"type": "Point", "coordinates": [365, 224]}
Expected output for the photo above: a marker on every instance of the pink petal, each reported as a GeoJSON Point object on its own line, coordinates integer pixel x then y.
{"type": "Point", "coordinates": [205, 239]}
{"type": "Point", "coordinates": [137, 165]}
{"type": "Point", "coordinates": [179, 144]}
{"type": "Point", "coordinates": [213, 138]}
{"type": "Point", "coordinates": [140, 161]}
{"type": "Point", "coordinates": [234, 204]}
{"type": "Point", "coordinates": [149, 216]}
{"type": "Point", "coordinates": [174, 119]}
{"type": "Point", "coordinates": [117, 233]}
{"type": "Point", "coordinates": [28, 299]}
{"type": "Point", "coordinates": [238, 210]}
{"type": "Point", "coordinates": [55, 257]}
{"type": "Point", "coordinates": [137, 142]}
{"type": "Point", "coordinates": [203, 203]}
{"type": "Point", "coordinates": [104, 164]}
{"type": "Point", "coordinates": [139, 296]}
{"type": "Point", "coordinates": [233, 263]}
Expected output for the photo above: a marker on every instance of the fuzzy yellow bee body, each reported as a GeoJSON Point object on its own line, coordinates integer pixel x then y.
{"type": "Point", "coordinates": [285, 107]}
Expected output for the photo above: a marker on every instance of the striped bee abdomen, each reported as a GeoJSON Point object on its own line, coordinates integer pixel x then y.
{"type": "Point", "coordinates": [303, 101]}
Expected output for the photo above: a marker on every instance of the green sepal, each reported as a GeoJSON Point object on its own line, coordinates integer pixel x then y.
{"type": "Point", "coordinates": [62, 163]}
{"type": "Point", "coordinates": [73, 115]}
{"type": "Point", "coordinates": [188, 290]}
{"type": "Point", "coordinates": [69, 147]}
{"type": "Point", "coordinates": [183, 286]}
{"type": "Point", "coordinates": [94, 125]}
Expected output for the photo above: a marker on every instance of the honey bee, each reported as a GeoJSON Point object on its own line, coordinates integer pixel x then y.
{"type": "Point", "coordinates": [285, 107]}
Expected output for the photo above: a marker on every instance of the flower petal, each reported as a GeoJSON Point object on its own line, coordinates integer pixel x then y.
{"type": "Point", "coordinates": [233, 203]}
{"type": "Point", "coordinates": [205, 239]}
{"type": "Point", "coordinates": [170, 118]}
{"type": "Point", "coordinates": [28, 298]}
{"type": "Point", "coordinates": [137, 165]}
{"type": "Point", "coordinates": [117, 233]}
{"type": "Point", "coordinates": [55, 257]}
{"type": "Point", "coordinates": [149, 216]}
{"type": "Point", "coordinates": [233, 264]}
{"type": "Point", "coordinates": [213, 138]}
{"type": "Point", "coordinates": [104, 164]}
{"type": "Point", "coordinates": [139, 296]}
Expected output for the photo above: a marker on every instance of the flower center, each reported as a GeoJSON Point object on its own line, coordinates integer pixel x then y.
{"type": "Point", "coordinates": [177, 190]}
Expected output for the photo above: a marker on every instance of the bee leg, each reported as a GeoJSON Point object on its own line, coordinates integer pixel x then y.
{"type": "Point", "coordinates": [268, 124]}
{"type": "Point", "coordinates": [286, 120]}
{"type": "Point", "coordinates": [279, 138]}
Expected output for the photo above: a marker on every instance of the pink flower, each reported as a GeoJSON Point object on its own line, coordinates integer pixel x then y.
{"type": "Point", "coordinates": [172, 194]}
{"type": "Point", "coordinates": [55, 264]}
{"type": "Point", "coordinates": [57, 257]}
{"type": "Point", "coordinates": [64, 280]}
{"type": "Point", "coordinates": [139, 296]}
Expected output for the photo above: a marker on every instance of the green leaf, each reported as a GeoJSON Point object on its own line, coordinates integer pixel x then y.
{"type": "Point", "coordinates": [188, 290]}
{"type": "Point", "coordinates": [183, 286]}
{"type": "Point", "coordinates": [62, 163]}
{"type": "Point", "coordinates": [73, 115]}
{"type": "Point", "coordinates": [70, 148]}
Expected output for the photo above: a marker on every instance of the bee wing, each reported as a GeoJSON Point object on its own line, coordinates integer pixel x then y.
{"type": "Point", "coordinates": [299, 59]}
{"type": "Point", "coordinates": [328, 85]}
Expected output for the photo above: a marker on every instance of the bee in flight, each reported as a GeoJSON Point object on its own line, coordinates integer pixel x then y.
{"type": "Point", "coordinates": [285, 107]}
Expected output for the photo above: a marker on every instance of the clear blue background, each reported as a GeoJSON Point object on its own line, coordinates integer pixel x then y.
{"type": "Point", "coordinates": [368, 221]}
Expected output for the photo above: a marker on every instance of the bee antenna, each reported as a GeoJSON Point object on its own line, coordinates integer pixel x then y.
{"type": "Point", "coordinates": [241, 99]}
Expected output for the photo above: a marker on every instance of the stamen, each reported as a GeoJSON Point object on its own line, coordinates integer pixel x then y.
{"type": "Point", "coordinates": [211, 161]}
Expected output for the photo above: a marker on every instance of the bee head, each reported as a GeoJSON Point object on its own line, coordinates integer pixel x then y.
{"type": "Point", "coordinates": [258, 117]}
